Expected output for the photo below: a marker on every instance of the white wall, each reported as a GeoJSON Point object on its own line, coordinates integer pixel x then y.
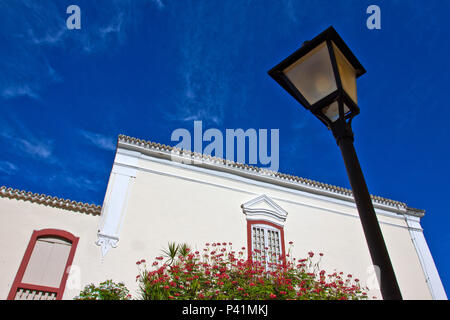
{"type": "Point", "coordinates": [174, 202]}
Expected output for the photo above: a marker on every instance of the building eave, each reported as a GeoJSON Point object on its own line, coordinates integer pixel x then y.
{"type": "Point", "coordinates": [50, 201]}
{"type": "Point", "coordinates": [261, 174]}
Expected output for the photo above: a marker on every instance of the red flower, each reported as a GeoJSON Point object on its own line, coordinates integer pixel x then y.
{"type": "Point", "coordinates": [273, 296]}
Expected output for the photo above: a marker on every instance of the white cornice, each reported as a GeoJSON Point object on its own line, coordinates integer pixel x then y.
{"type": "Point", "coordinates": [254, 208]}
{"type": "Point", "coordinates": [260, 174]}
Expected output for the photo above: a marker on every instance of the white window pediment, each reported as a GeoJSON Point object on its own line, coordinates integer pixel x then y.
{"type": "Point", "coordinates": [264, 207]}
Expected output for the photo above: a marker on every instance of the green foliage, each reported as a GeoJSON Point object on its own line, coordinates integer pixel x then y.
{"type": "Point", "coordinates": [107, 290]}
{"type": "Point", "coordinates": [171, 252]}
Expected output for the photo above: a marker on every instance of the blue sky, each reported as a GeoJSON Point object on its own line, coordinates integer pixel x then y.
{"type": "Point", "coordinates": [146, 67]}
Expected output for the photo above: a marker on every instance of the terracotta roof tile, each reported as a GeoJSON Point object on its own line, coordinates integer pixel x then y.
{"type": "Point", "coordinates": [50, 201]}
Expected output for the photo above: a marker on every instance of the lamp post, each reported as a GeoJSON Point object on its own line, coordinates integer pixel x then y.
{"type": "Point", "coordinates": [321, 75]}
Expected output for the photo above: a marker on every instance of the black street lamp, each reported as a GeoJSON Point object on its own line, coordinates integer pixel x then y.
{"type": "Point", "coordinates": [321, 75]}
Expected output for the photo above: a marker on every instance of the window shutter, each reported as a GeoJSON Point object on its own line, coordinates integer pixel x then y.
{"type": "Point", "coordinates": [47, 262]}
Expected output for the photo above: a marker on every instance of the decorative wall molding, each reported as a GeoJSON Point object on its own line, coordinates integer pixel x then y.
{"type": "Point", "coordinates": [106, 242]}
{"type": "Point", "coordinates": [263, 206]}
{"type": "Point", "coordinates": [50, 201]}
{"type": "Point", "coordinates": [116, 200]}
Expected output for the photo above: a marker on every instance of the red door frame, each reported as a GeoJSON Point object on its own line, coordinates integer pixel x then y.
{"type": "Point", "coordinates": [26, 258]}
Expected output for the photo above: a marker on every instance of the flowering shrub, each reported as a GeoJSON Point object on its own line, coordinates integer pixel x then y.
{"type": "Point", "coordinates": [220, 273]}
{"type": "Point", "coordinates": [107, 290]}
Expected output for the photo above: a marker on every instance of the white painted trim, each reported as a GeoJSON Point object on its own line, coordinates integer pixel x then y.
{"type": "Point", "coordinates": [115, 203]}
{"type": "Point", "coordinates": [348, 201]}
{"type": "Point", "coordinates": [214, 164]}
{"type": "Point", "coordinates": [426, 259]}
{"type": "Point", "coordinates": [251, 208]}
{"type": "Point", "coordinates": [233, 177]}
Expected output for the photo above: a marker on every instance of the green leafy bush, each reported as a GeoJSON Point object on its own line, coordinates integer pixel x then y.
{"type": "Point", "coordinates": [107, 290]}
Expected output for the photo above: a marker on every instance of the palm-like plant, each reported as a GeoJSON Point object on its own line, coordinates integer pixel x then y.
{"type": "Point", "coordinates": [184, 249]}
{"type": "Point", "coordinates": [171, 252]}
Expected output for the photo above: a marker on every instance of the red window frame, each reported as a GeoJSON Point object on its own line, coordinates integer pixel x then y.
{"type": "Point", "coordinates": [250, 223]}
{"type": "Point", "coordinates": [26, 258]}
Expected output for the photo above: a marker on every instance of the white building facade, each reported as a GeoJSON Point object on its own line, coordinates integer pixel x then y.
{"type": "Point", "coordinates": [52, 248]}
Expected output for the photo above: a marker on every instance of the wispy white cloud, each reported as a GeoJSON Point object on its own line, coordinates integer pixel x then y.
{"type": "Point", "coordinates": [53, 37]}
{"type": "Point", "coordinates": [31, 146]}
{"type": "Point", "coordinates": [21, 90]}
{"type": "Point", "coordinates": [209, 66]}
{"type": "Point", "coordinates": [99, 140]}
{"type": "Point", "coordinates": [23, 140]}
{"type": "Point", "coordinates": [158, 3]}
{"type": "Point", "coordinates": [78, 182]}
{"type": "Point", "coordinates": [30, 27]}
{"type": "Point", "coordinates": [7, 167]}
